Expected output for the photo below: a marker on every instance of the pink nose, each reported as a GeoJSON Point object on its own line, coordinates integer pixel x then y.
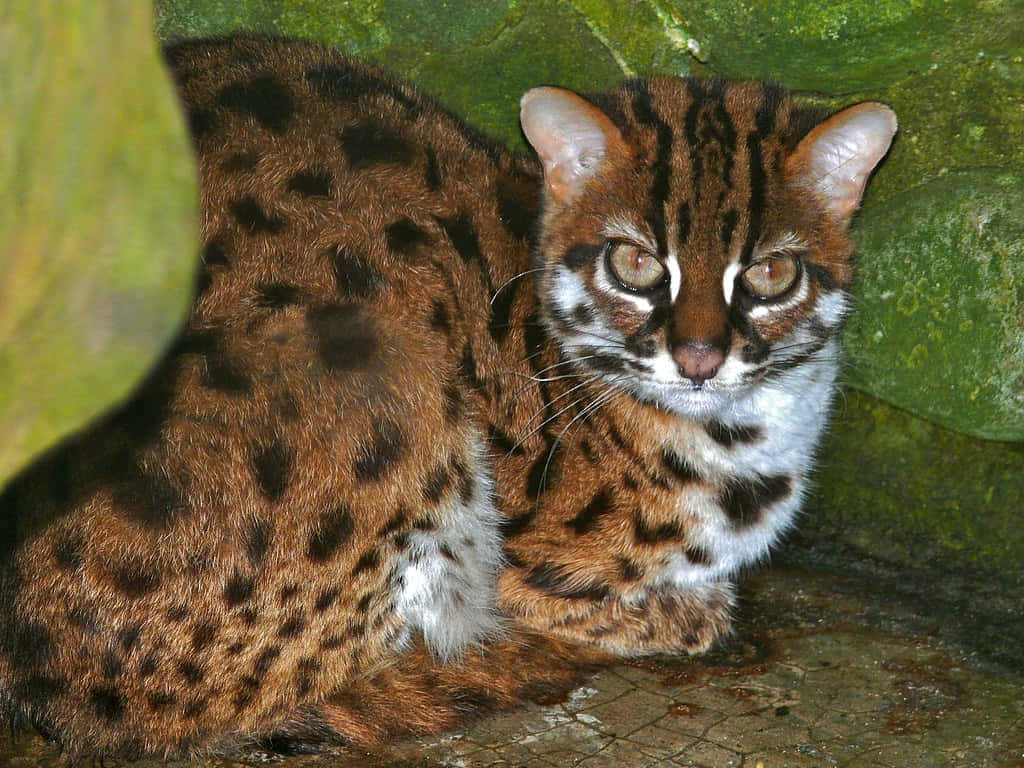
{"type": "Point", "coordinates": [698, 362]}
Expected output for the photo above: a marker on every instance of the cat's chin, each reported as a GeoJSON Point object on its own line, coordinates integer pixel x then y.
{"type": "Point", "coordinates": [689, 402]}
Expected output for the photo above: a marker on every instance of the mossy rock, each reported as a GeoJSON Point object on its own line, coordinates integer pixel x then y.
{"type": "Point", "coordinates": [98, 228]}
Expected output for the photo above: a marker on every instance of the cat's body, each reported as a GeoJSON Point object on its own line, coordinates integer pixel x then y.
{"type": "Point", "coordinates": [389, 418]}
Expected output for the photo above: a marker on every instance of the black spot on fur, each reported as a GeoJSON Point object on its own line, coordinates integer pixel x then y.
{"type": "Point", "coordinates": [698, 555]}
{"type": "Point", "coordinates": [439, 319]}
{"type": "Point", "coordinates": [177, 613]}
{"type": "Point", "coordinates": [147, 667]}
{"type": "Point", "coordinates": [452, 395]}
{"type": "Point", "coordinates": [221, 372]}
{"type": "Point", "coordinates": [354, 276]}
{"type": "Point", "coordinates": [368, 145]}
{"type": "Point", "coordinates": [395, 522]}
{"type": "Point", "coordinates": [466, 482]}
{"type": "Point", "coordinates": [265, 660]}
{"type": "Point", "coordinates": [503, 443]}
{"type": "Point", "coordinates": [744, 501]}
{"type": "Point", "coordinates": [587, 518]}
{"type": "Point", "coordinates": [554, 580]}
{"type": "Point", "coordinates": [129, 637]}
{"type": "Point", "coordinates": [377, 454]}
{"type": "Point", "coordinates": [518, 213]}
{"type": "Point", "coordinates": [333, 530]}
{"type": "Point", "coordinates": [629, 570]}
{"type": "Point", "coordinates": [680, 468]}
{"type": "Point", "coordinates": [241, 162]}
{"type": "Point", "coordinates": [543, 472]}
{"type": "Point", "coordinates": [326, 599]}
{"type": "Point", "coordinates": [729, 436]}
{"type": "Point", "coordinates": [39, 689]}
{"type": "Point", "coordinates": [364, 602]}
{"type": "Point", "coordinates": [253, 219]}
{"type": "Point", "coordinates": [263, 98]}
{"type": "Point", "coordinates": [272, 466]}
{"type": "Point", "coordinates": [581, 254]}
{"type": "Point", "coordinates": [344, 336]}
{"type": "Point", "coordinates": [68, 551]}
{"type": "Point", "coordinates": [149, 498]}
{"type": "Point", "coordinates": [194, 709]}
{"type": "Point", "coordinates": [215, 254]}
{"type": "Point", "coordinates": [349, 84]}
{"type": "Point", "coordinates": [112, 665]}
{"type": "Point", "coordinates": [661, 534]}
{"type": "Point", "coordinates": [501, 311]}
{"type": "Point", "coordinates": [307, 669]}
{"type": "Point", "coordinates": [158, 701]}
{"type": "Point", "coordinates": [436, 483]}
{"type": "Point", "coordinates": [238, 590]}
{"type": "Point", "coordinates": [311, 183]}
{"type": "Point", "coordinates": [404, 236]}
{"type": "Point", "coordinates": [192, 673]}
{"type": "Point", "coordinates": [108, 703]}
{"type": "Point", "coordinates": [292, 627]}
{"type": "Point", "coordinates": [288, 591]}
{"type": "Point", "coordinates": [583, 314]}
{"type": "Point", "coordinates": [368, 562]}
{"type": "Point", "coordinates": [257, 541]}
{"type": "Point", "coordinates": [135, 579]}
{"type": "Point", "coordinates": [277, 295]}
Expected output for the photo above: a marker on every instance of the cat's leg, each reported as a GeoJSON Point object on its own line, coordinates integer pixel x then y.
{"type": "Point", "coordinates": [416, 695]}
{"type": "Point", "coordinates": [660, 619]}
{"type": "Point", "coordinates": [445, 580]}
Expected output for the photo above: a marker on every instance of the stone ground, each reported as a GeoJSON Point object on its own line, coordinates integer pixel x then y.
{"type": "Point", "coordinates": [836, 661]}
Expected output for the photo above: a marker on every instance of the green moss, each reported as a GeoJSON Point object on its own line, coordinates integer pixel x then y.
{"type": "Point", "coordinates": [906, 490]}
{"type": "Point", "coordinates": [939, 327]}
{"type": "Point", "coordinates": [98, 230]}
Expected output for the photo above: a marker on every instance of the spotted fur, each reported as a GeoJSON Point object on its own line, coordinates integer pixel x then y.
{"type": "Point", "coordinates": [411, 413]}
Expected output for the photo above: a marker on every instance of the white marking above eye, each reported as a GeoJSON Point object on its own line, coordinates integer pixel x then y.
{"type": "Point", "coordinates": [675, 275]}
{"type": "Point", "coordinates": [729, 280]}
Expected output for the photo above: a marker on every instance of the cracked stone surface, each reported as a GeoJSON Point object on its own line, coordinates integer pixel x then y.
{"type": "Point", "coordinates": [833, 663]}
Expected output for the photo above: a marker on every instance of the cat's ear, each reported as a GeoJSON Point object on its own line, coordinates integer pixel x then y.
{"type": "Point", "coordinates": [571, 136]}
{"type": "Point", "coordinates": [836, 158]}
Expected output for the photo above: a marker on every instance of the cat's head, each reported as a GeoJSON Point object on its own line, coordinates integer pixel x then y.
{"type": "Point", "coordinates": [693, 242]}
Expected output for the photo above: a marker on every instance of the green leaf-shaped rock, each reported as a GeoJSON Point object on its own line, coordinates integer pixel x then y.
{"type": "Point", "coordinates": [98, 222]}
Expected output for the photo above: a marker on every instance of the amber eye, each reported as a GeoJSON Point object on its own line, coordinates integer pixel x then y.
{"type": "Point", "coordinates": [633, 267]}
{"type": "Point", "coordinates": [771, 276]}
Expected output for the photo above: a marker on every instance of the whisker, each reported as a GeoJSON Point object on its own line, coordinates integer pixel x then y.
{"type": "Point", "coordinates": [512, 279]}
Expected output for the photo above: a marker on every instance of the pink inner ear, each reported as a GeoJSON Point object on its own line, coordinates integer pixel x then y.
{"type": "Point", "coordinates": [836, 158]}
{"type": "Point", "coordinates": [571, 136]}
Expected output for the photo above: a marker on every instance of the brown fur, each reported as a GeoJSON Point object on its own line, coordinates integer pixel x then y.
{"type": "Point", "coordinates": [213, 562]}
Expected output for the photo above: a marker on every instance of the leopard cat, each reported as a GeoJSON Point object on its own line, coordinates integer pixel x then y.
{"type": "Point", "coordinates": [444, 418]}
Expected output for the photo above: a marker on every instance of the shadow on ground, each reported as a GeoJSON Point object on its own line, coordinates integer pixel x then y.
{"type": "Point", "coordinates": [838, 660]}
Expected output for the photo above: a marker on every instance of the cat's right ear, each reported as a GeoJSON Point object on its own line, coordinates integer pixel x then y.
{"type": "Point", "coordinates": [836, 158]}
{"type": "Point", "coordinates": [571, 136]}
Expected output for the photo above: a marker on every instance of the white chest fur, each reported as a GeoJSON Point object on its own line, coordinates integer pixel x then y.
{"type": "Point", "coordinates": [762, 477]}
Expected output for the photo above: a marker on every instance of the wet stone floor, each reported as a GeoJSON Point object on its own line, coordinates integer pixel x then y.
{"type": "Point", "coordinates": [832, 664]}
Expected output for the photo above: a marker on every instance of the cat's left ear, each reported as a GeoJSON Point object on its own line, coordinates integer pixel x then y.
{"type": "Point", "coordinates": [571, 136]}
{"type": "Point", "coordinates": [836, 158]}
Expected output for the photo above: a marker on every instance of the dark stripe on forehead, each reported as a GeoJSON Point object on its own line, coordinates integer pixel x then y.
{"type": "Point", "coordinates": [683, 224]}
{"type": "Point", "coordinates": [646, 116]}
{"type": "Point", "coordinates": [772, 98]}
{"type": "Point", "coordinates": [755, 206]}
{"type": "Point", "coordinates": [690, 127]}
